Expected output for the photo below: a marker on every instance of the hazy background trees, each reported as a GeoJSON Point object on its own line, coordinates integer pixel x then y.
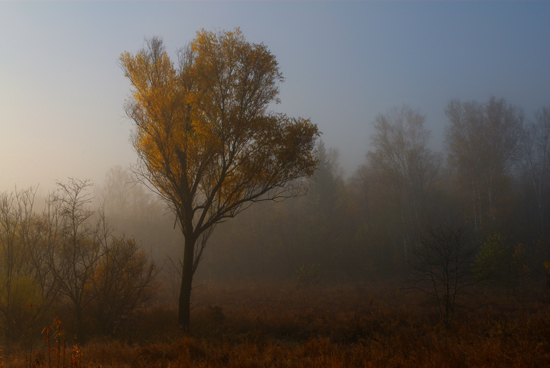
{"type": "Point", "coordinates": [360, 228]}
{"type": "Point", "coordinates": [482, 141]}
{"type": "Point", "coordinates": [19, 281]}
{"type": "Point", "coordinates": [396, 187]}
{"type": "Point", "coordinates": [491, 176]}
{"type": "Point", "coordinates": [535, 163]}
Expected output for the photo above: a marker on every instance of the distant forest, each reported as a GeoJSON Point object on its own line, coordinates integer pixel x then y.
{"type": "Point", "coordinates": [492, 178]}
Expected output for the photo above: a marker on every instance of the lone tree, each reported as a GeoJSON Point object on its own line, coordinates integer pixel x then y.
{"type": "Point", "coordinates": [442, 266]}
{"type": "Point", "coordinates": [205, 139]}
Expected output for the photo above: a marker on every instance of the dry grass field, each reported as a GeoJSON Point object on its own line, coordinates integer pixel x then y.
{"type": "Point", "coordinates": [340, 326]}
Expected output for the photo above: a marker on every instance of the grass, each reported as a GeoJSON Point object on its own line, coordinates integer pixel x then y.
{"type": "Point", "coordinates": [340, 326]}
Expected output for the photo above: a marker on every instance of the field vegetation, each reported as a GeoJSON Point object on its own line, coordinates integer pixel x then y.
{"type": "Point", "coordinates": [284, 325]}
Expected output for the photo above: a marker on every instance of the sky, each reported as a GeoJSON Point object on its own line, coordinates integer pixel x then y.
{"type": "Point", "coordinates": [62, 90]}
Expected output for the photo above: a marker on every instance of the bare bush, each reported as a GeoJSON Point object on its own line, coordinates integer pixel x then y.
{"type": "Point", "coordinates": [442, 267]}
{"type": "Point", "coordinates": [123, 283]}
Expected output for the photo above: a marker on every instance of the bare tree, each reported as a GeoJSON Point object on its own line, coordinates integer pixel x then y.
{"type": "Point", "coordinates": [442, 266]}
{"type": "Point", "coordinates": [75, 244]}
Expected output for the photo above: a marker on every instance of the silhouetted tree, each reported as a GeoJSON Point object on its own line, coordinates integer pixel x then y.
{"type": "Point", "coordinates": [442, 266]}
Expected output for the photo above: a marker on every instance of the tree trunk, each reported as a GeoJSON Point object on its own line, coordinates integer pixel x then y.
{"type": "Point", "coordinates": [184, 316]}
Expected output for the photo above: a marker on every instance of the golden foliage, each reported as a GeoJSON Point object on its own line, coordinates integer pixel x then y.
{"type": "Point", "coordinates": [203, 131]}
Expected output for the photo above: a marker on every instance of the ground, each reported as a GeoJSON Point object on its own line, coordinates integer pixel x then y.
{"type": "Point", "coordinates": [352, 325]}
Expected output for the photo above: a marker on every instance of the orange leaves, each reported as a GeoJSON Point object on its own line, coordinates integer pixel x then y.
{"type": "Point", "coordinates": [76, 356]}
{"type": "Point", "coordinates": [56, 332]}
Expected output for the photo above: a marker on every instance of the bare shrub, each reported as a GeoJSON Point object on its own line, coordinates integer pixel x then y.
{"type": "Point", "coordinates": [442, 266]}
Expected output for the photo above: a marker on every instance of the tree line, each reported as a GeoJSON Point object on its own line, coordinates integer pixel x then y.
{"type": "Point", "coordinates": [492, 178]}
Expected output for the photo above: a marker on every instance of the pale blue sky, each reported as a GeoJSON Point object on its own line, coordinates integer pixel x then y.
{"type": "Point", "coordinates": [62, 92]}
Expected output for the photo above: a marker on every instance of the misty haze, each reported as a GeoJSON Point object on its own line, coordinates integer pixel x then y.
{"type": "Point", "coordinates": [273, 184]}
